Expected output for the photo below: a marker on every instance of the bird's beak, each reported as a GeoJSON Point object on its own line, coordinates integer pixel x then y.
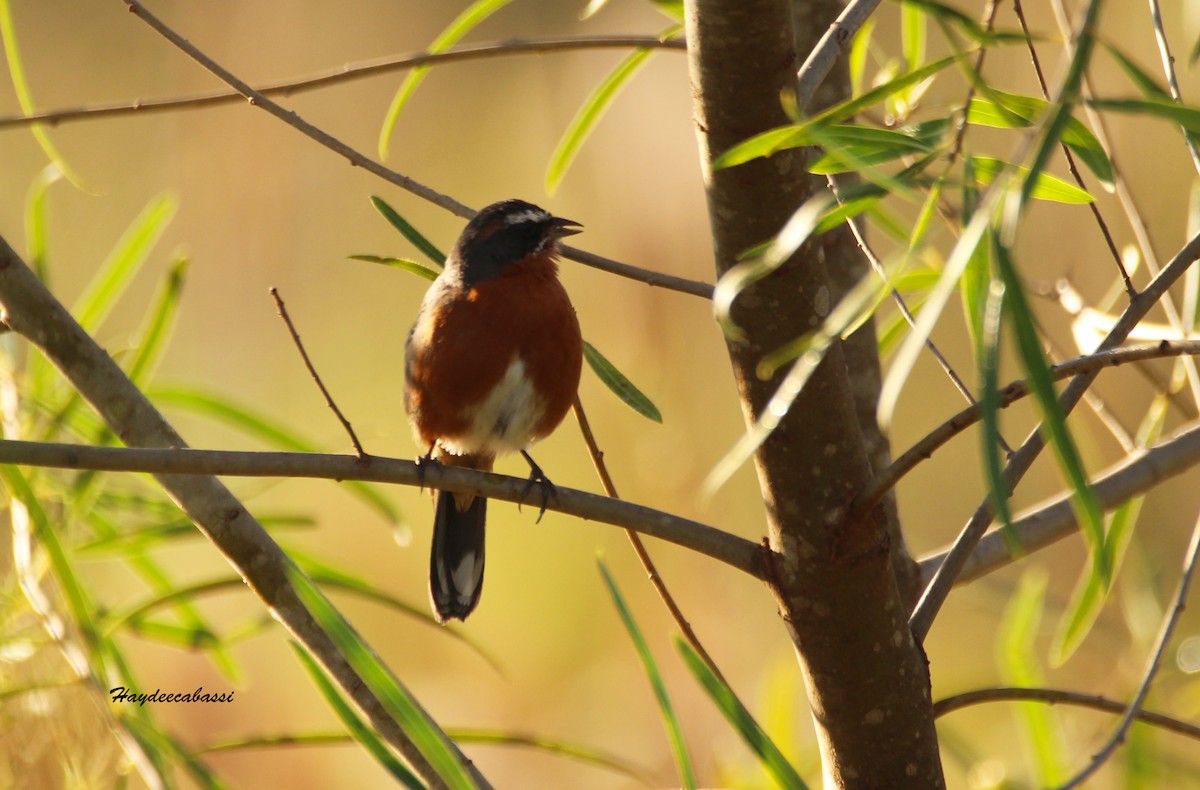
{"type": "Point", "coordinates": [560, 227]}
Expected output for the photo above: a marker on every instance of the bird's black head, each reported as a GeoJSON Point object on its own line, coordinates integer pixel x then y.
{"type": "Point", "coordinates": [505, 233]}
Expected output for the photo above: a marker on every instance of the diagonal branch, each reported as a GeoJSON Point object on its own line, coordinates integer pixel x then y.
{"type": "Point", "coordinates": [1019, 463]}
{"type": "Point", "coordinates": [179, 460]}
{"type": "Point", "coordinates": [1054, 520]}
{"type": "Point", "coordinates": [358, 159]}
{"type": "Point", "coordinates": [27, 308]}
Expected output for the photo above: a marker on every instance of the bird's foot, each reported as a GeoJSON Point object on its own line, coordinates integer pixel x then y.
{"type": "Point", "coordinates": [424, 462]}
{"type": "Point", "coordinates": [537, 478]}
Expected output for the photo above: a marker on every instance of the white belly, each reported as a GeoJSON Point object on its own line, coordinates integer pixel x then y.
{"type": "Point", "coordinates": [506, 421]}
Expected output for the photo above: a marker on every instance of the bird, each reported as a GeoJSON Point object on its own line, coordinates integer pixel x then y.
{"type": "Point", "coordinates": [492, 365]}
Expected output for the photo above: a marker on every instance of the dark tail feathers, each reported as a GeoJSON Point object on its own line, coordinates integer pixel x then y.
{"type": "Point", "coordinates": [456, 562]}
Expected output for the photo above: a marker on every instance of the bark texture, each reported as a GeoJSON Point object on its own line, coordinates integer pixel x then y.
{"type": "Point", "coordinates": [867, 679]}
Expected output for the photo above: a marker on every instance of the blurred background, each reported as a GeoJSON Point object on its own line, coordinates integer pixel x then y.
{"type": "Point", "coordinates": [260, 205]}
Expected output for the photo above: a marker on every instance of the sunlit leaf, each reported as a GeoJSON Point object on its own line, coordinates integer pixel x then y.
{"type": "Point", "coordinates": [1054, 423]}
{"type": "Point", "coordinates": [912, 34]}
{"type": "Point", "coordinates": [359, 729]}
{"type": "Point", "coordinates": [462, 24]}
{"type": "Point", "coordinates": [589, 114]}
{"type": "Point", "coordinates": [408, 231]}
{"type": "Point", "coordinates": [674, 732]}
{"type": "Point", "coordinates": [741, 719]}
{"type": "Point", "coordinates": [860, 46]}
{"type": "Point", "coordinates": [1047, 187]}
{"type": "Point", "coordinates": [152, 338]}
{"type": "Point", "coordinates": [403, 264]}
{"type": "Point", "coordinates": [425, 735]}
{"type": "Point", "coordinates": [620, 385]}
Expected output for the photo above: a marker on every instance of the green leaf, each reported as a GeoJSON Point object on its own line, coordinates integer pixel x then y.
{"type": "Point", "coordinates": [408, 231]}
{"type": "Point", "coordinates": [1145, 83]}
{"type": "Point", "coordinates": [796, 135]}
{"type": "Point", "coordinates": [1046, 187]}
{"type": "Point", "coordinates": [1089, 596]}
{"type": "Point", "coordinates": [359, 730]}
{"type": "Point", "coordinates": [852, 147]}
{"type": "Point", "coordinates": [860, 46]}
{"type": "Point", "coordinates": [126, 258]}
{"type": "Point", "coordinates": [622, 387]}
{"type": "Point", "coordinates": [252, 423]}
{"type": "Point", "coordinates": [674, 731]}
{"type": "Point", "coordinates": [1011, 110]}
{"type": "Point", "coordinates": [912, 34]}
{"type": "Point", "coordinates": [589, 114]}
{"type": "Point", "coordinates": [741, 719]}
{"type": "Point", "coordinates": [425, 735]}
{"type": "Point", "coordinates": [1184, 115]}
{"type": "Point", "coordinates": [404, 264]}
{"type": "Point", "coordinates": [1017, 657]}
{"type": "Point", "coordinates": [16, 70]}
{"type": "Point", "coordinates": [552, 746]}
{"type": "Point", "coordinates": [152, 338]}
{"type": "Point", "coordinates": [672, 8]}
{"type": "Point", "coordinates": [35, 218]}
{"type": "Point", "coordinates": [1054, 423]}
{"type": "Point", "coordinates": [462, 24]}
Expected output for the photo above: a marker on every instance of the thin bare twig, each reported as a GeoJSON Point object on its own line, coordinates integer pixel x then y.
{"type": "Point", "coordinates": [730, 549]}
{"type": "Point", "coordinates": [1070, 158]}
{"type": "Point", "coordinates": [1009, 394]}
{"type": "Point", "coordinates": [1050, 521]}
{"type": "Point", "coordinates": [935, 594]}
{"type": "Point", "coordinates": [312, 371]}
{"type": "Point", "coordinates": [291, 118]}
{"type": "Point", "coordinates": [346, 73]}
{"type": "Point", "coordinates": [1060, 697]}
{"type": "Point", "coordinates": [827, 51]}
{"type": "Point", "coordinates": [1152, 665]}
{"type": "Point", "coordinates": [639, 548]}
{"type": "Point", "coordinates": [1168, 61]}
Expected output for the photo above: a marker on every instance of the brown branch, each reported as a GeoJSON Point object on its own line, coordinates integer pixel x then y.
{"type": "Point", "coordinates": [639, 548]}
{"type": "Point", "coordinates": [28, 309]}
{"type": "Point", "coordinates": [312, 371]}
{"type": "Point", "coordinates": [1008, 395]}
{"type": "Point", "coordinates": [937, 590]}
{"type": "Point", "coordinates": [351, 71]}
{"type": "Point", "coordinates": [1054, 520]}
{"type": "Point", "coordinates": [725, 547]}
{"type": "Point", "coordinates": [354, 157]}
{"type": "Point", "coordinates": [1060, 697]}
{"type": "Point", "coordinates": [837, 38]}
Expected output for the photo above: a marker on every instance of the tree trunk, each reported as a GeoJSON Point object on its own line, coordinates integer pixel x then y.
{"type": "Point", "coordinates": [868, 684]}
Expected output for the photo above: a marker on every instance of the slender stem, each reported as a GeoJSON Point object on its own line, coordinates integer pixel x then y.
{"type": "Point", "coordinates": [312, 371]}
{"type": "Point", "coordinates": [1060, 697]}
{"type": "Point", "coordinates": [1152, 665]}
{"type": "Point", "coordinates": [1008, 395]}
{"type": "Point", "coordinates": [1168, 61]}
{"type": "Point", "coordinates": [639, 548]}
{"type": "Point", "coordinates": [351, 71]}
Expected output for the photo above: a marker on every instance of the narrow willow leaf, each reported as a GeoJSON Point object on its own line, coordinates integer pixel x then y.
{"type": "Point", "coordinates": [553, 746]}
{"type": "Point", "coordinates": [462, 24]}
{"type": "Point", "coordinates": [425, 735]}
{"type": "Point", "coordinates": [1046, 187]}
{"type": "Point", "coordinates": [404, 264]}
{"type": "Point", "coordinates": [672, 8]}
{"type": "Point", "coordinates": [408, 231]}
{"type": "Point", "coordinates": [1040, 728]}
{"type": "Point", "coordinates": [1054, 422]}
{"type": "Point", "coordinates": [131, 251]}
{"type": "Point", "coordinates": [912, 34]}
{"type": "Point", "coordinates": [741, 719]}
{"type": "Point", "coordinates": [1148, 85]}
{"type": "Point", "coordinates": [796, 135]}
{"type": "Point", "coordinates": [358, 729]}
{"type": "Point", "coordinates": [252, 423]}
{"type": "Point", "coordinates": [851, 147]}
{"type": "Point", "coordinates": [35, 218]}
{"type": "Point", "coordinates": [988, 353]}
{"type": "Point", "coordinates": [621, 386]}
{"type": "Point", "coordinates": [592, 8]}
{"type": "Point", "coordinates": [152, 339]}
{"type": "Point", "coordinates": [16, 71]}
{"type": "Point", "coordinates": [1184, 115]}
{"type": "Point", "coordinates": [674, 732]}
{"type": "Point", "coordinates": [860, 46]}
{"type": "Point", "coordinates": [1089, 596]}
{"type": "Point", "coordinates": [589, 114]}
